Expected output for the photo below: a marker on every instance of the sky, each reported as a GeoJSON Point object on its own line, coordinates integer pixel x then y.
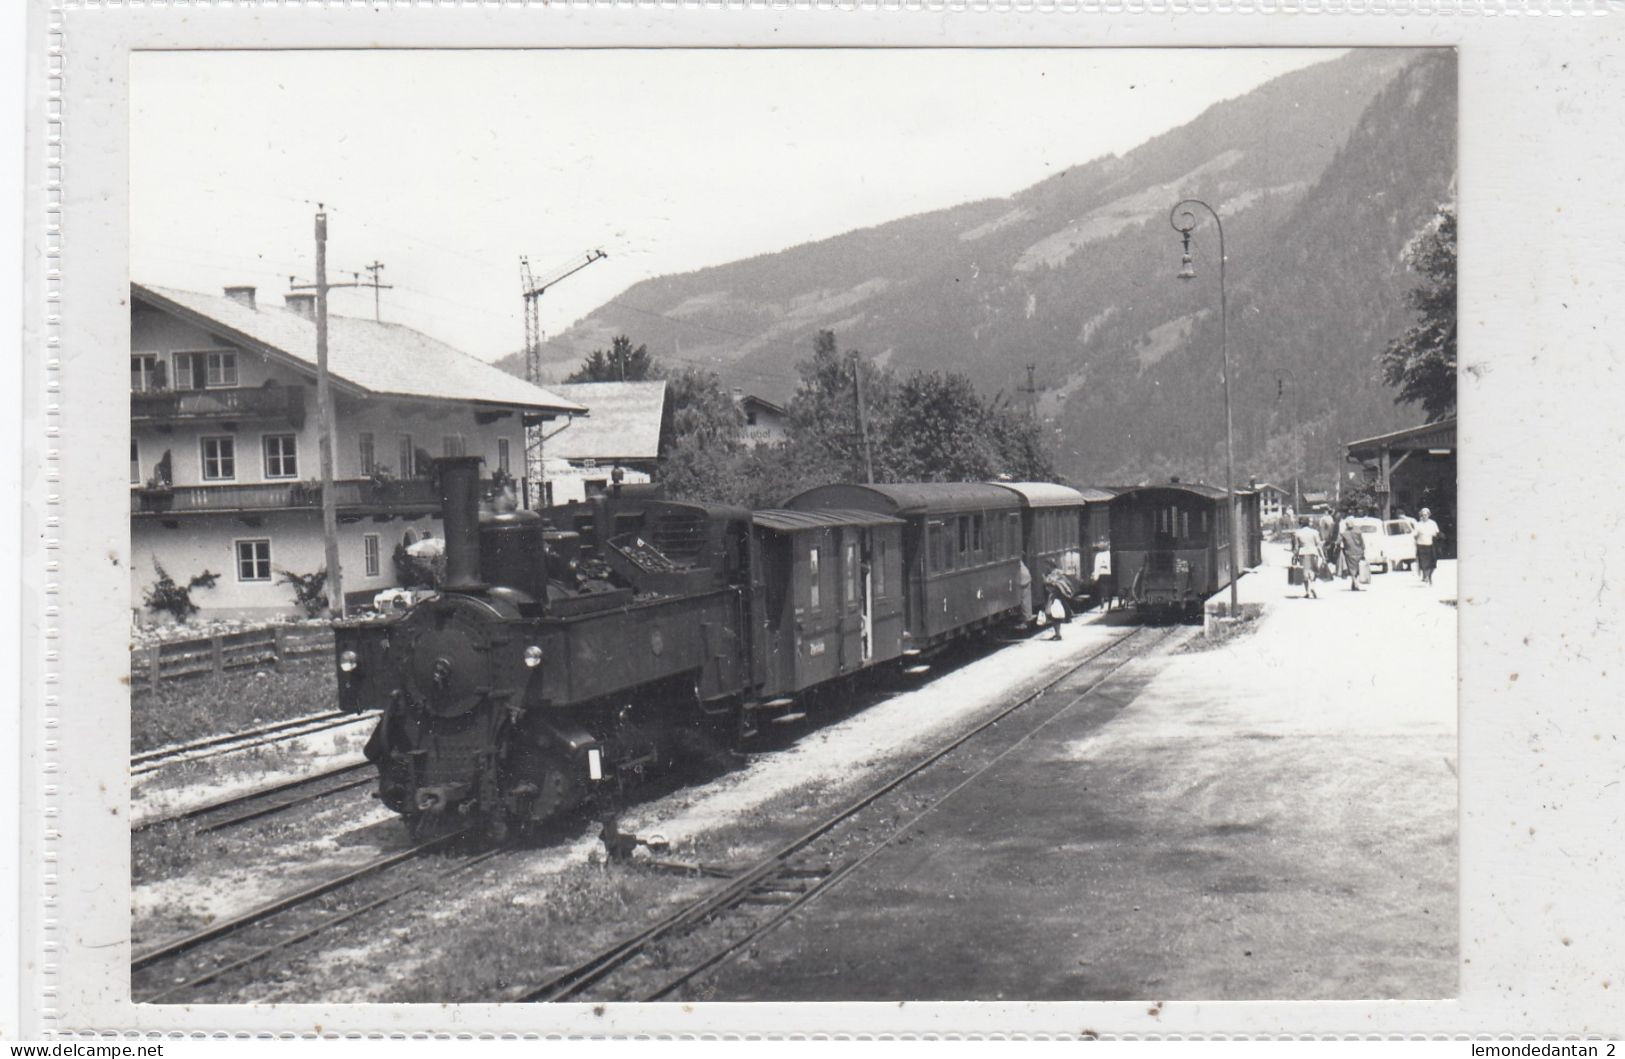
{"type": "Point", "coordinates": [447, 166]}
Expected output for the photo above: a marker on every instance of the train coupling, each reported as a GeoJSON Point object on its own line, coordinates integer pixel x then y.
{"type": "Point", "coordinates": [439, 799]}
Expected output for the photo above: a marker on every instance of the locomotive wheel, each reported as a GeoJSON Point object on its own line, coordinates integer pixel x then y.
{"type": "Point", "coordinates": [552, 776]}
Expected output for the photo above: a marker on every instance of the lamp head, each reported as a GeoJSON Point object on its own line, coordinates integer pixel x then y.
{"type": "Point", "coordinates": [1187, 266]}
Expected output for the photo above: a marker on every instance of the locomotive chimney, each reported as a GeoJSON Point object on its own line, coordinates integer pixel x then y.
{"type": "Point", "coordinates": [459, 478]}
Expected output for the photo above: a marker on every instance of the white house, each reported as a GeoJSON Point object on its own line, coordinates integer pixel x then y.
{"type": "Point", "coordinates": [765, 422]}
{"type": "Point", "coordinates": [623, 433]}
{"type": "Point", "coordinates": [224, 471]}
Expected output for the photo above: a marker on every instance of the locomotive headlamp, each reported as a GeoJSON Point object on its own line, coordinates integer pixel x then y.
{"type": "Point", "coordinates": [533, 656]}
{"type": "Point", "coordinates": [348, 661]}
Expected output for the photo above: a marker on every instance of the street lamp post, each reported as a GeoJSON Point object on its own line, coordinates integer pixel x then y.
{"type": "Point", "coordinates": [1183, 220]}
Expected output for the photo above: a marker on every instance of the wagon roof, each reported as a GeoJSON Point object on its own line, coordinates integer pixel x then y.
{"type": "Point", "coordinates": [1207, 492]}
{"type": "Point", "coordinates": [906, 498]}
{"type": "Point", "coordinates": [784, 519]}
{"type": "Point", "coordinates": [1045, 494]}
{"type": "Point", "coordinates": [1097, 494]}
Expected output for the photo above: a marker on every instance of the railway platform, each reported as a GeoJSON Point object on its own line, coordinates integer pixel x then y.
{"type": "Point", "coordinates": [1270, 816]}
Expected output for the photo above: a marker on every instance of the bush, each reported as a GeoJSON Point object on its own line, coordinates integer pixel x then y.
{"type": "Point", "coordinates": [309, 591]}
{"type": "Point", "coordinates": [164, 596]}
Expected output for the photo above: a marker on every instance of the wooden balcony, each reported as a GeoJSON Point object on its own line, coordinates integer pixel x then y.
{"type": "Point", "coordinates": [353, 496]}
{"type": "Point", "coordinates": [243, 402]}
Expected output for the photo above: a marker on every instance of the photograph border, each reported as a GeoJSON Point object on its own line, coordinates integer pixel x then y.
{"type": "Point", "coordinates": [1539, 622]}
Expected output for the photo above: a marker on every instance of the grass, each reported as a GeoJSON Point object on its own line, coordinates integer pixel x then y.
{"type": "Point", "coordinates": [178, 711]}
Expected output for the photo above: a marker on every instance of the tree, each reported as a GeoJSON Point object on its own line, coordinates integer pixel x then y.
{"type": "Point", "coordinates": [621, 364]}
{"type": "Point", "coordinates": [1422, 361]}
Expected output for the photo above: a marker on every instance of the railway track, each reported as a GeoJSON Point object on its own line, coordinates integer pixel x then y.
{"type": "Point", "coordinates": [733, 915]}
{"type": "Point", "coordinates": [167, 972]}
{"type": "Point", "coordinates": [230, 811]}
{"type": "Point", "coordinates": [149, 761]}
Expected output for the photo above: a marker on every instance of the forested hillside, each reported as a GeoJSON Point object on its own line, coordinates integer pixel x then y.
{"type": "Point", "coordinates": [1321, 177]}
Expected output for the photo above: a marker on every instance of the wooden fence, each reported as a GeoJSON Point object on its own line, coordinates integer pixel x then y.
{"type": "Point", "coordinates": [234, 650]}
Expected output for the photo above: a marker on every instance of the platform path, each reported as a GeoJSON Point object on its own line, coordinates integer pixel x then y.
{"type": "Point", "coordinates": [1273, 818]}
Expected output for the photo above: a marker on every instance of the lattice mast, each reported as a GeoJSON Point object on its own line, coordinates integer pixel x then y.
{"type": "Point", "coordinates": [532, 291]}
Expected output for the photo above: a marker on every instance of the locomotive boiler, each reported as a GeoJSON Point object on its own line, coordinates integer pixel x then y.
{"type": "Point", "coordinates": [557, 656]}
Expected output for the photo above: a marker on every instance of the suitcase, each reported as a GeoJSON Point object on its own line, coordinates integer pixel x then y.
{"type": "Point", "coordinates": [1365, 572]}
{"type": "Point", "coordinates": [1294, 574]}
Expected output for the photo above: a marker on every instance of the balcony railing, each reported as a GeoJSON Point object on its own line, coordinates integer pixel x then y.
{"type": "Point", "coordinates": [246, 402]}
{"type": "Point", "coordinates": [351, 496]}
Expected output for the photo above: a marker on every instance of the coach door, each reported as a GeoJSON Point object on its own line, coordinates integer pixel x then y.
{"type": "Point", "coordinates": [866, 587]}
{"type": "Point", "coordinates": [854, 606]}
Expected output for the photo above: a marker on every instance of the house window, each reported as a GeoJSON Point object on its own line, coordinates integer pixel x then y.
{"type": "Point", "coordinates": [369, 553]}
{"type": "Point", "coordinates": [219, 459]}
{"type": "Point", "coordinates": [451, 445]}
{"type": "Point", "coordinates": [750, 419]}
{"type": "Point", "coordinates": [145, 373]}
{"type": "Point", "coordinates": [281, 456]}
{"type": "Point", "coordinates": [206, 370]}
{"type": "Point", "coordinates": [254, 560]}
{"type": "Point", "coordinates": [502, 455]}
{"type": "Point", "coordinates": [404, 457]}
{"type": "Point", "coordinates": [812, 579]}
{"type": "Point", "coordinates": [369, 456]}
{"type": "Point", "coordinates": [135, 462]}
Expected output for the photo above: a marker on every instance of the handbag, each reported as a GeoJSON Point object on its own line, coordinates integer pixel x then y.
{"type": "Point", "coordinates": [1323, 570]}
{"type": "Point", "coordinates": [1057, 610]}
{"type": "Point", "coordinates": [1365, 572]}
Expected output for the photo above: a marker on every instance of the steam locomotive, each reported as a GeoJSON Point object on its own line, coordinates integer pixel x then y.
{"type": "Point", "coordinates": [571, 650]}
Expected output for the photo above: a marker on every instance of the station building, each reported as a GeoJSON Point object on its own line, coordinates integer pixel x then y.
{"type": "Point", "coordinates": [1412, 469]}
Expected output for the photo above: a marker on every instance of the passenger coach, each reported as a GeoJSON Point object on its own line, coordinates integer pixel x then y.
{"type": "Point", "coordinates": [962, 548]}
{"type": "Point", "coordinates": [1171, 543]}
{"type": "Point", "coordinates": [1052, 525]}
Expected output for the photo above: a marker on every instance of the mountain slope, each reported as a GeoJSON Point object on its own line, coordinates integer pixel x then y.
{"type": "Point", "coordinates": [1320, 177]}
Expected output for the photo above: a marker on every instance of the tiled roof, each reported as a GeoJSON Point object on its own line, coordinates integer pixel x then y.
{"type": "Point", "coordinates": [378, 358]}
{"type": "Point", "coordinates": [624, 424]}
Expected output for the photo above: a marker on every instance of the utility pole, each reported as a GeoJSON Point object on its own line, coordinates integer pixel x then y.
{"type": "Point", "coordinates": [1031, 391]}
{"type": "Point", "coordinates": [324, 402]}
{"type": "Point", "coordinates": [374, 268]}
{"type": "Point", "coordinates": [863, 418]}
{"type": "Point", "coordinates": [325, 429]}
{"type": "Point", "coordinates": [535, 436]}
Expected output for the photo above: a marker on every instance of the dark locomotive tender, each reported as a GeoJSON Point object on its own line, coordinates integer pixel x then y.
{"type": "Point", "coordinates": [1171, 543]}
{"type": "Point", "coordinates": [584, 643]}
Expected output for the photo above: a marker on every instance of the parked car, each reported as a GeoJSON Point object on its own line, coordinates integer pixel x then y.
{"type": "Point", "coordinates": [1396, 548]}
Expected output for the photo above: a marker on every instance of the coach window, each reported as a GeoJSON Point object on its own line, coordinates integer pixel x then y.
{"type": "Point", "coordinates": [976, 533]}
{"type": "Point", "coordinates": [812, 578]}
{"type": "Point", "coordinates": [964, 536]}
{"type": "Point", "coordinates": [851, 571]}
{"type": "Point", "coordinates": [878, 569]}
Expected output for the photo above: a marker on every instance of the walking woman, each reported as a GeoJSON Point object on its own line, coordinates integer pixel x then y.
{"type": "Point", "coordinates": [1426, 532]}
{"type": "Point", "coordinates": [1306, 554]}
